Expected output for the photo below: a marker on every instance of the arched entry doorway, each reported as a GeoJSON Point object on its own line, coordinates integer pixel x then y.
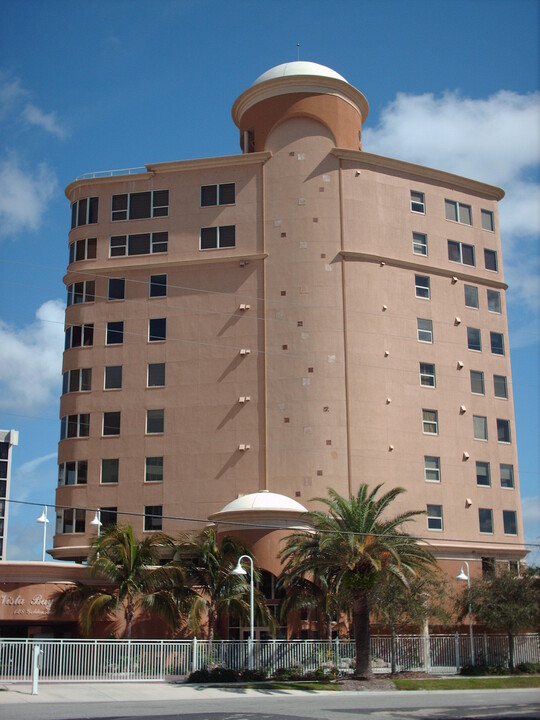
{"type": "Point", "coordinates": [273, 595]}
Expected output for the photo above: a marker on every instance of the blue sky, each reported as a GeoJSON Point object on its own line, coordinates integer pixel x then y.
{"type": "Point", "coordinates": [102, 85]}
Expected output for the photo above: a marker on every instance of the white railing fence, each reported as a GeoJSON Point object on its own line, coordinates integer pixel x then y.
{"type": "Point", "coordinates": [137, 660]}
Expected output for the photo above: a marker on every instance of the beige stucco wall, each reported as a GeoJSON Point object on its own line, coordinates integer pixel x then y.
{"type": "Point", "coordinates": [327, 235]}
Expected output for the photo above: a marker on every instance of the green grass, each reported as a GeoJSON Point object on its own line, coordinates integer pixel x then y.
{"type": "Point", "coordinates": [471, 683]}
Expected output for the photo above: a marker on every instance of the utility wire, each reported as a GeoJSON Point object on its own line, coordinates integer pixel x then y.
{"type": "Point", "coordinates": [266, 526]}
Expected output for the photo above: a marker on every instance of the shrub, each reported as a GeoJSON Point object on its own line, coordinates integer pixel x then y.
{"type": "Point", "coordinates": [252, 676]}
{"type": "Point", "coordinates": [292, 673]}
{"type": "Point", "coordinates": [224, 675]}
{"type": "Point", "coordinates": [216, 675]}
{"type": "Point", "coordinates": [199, 676]}
{"type": "Point", "coordinates": [528, 667]}
{"type": "Point", "coordinates": [483, 669]}
{"type": "Point", "coordinates": [318, 674]}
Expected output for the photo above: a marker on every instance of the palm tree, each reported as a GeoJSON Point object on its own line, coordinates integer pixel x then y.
{"type": "Point", "coordinates": [351, 543]}
{"type": "Point", "coordinates": [310, 593]}
{"type": "Point", "coordinates": [132, 580]}
{"type": "Point", "coordinates": [209, 565]}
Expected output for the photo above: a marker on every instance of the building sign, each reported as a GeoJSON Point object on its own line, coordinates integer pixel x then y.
{"type": "Point", "coordinates": [24, 604]}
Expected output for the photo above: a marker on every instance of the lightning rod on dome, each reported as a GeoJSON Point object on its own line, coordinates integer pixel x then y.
{"type": "Point", "coordinates": [298, 51]}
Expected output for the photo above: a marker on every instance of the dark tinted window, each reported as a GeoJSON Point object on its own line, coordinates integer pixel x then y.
{"type": "Point", "coordinates": [158, 285]}
{"type": "Point", "coordinates": [81, 217]}
{"type": "Point", "coordinates": [156, 374]}
{"type": "Point", "coordinates": [113, 377]}
{"type": "Point", "coordinates": [208, 195]}
{"type": "Point", "coordinates": [227, 236]}
{"type": "Point", "coordinates": [157, 329]}
{"type": "Point", "coordinates": [117, 288]}
{"type": "Point", "coordinates": [139, 244]}
{"type": "Point", "coordinates": [115, 333]}
{"type": "Point", "coordinates": [139, 205]}
{"type": "Point", "coordinates": [111, 423]}
{"type": "Point", "coordinates": [209, 238]}
{"type": "Point", "coordinates": [227, 194]}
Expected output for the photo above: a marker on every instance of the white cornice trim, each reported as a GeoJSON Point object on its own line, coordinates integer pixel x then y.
{"type": "Point", "coordinates": [299, 84]}
{"type": "Point", "coordinates": [455, 550]}
{"type": "Point", "coordinates": [419, 172]}
{"type": "Point", "coordinates": [356, 256]}
{"type": "Point", "coordinates": [212, 162]}
{"type": "Point", "coordinates": [173, 166]}
{"type": "Point", "coordinates": [111, 270]}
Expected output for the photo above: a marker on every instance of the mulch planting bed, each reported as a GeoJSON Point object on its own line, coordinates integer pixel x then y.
{"type": "Point", "coordinates": [377, 683]}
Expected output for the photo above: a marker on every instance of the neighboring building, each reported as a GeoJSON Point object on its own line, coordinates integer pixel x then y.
{"type": "Point", "coordinates": [8, 438]}
{"type": "Point", "coordinates": [300, 316]}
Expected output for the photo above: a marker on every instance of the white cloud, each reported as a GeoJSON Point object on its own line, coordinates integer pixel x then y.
{"type": "Point", "coordinates": [531, 510]}
{"type": "Point", "coordinates": [47, 121]}
{"type": "Point", "coordinates": [495, 140]}
{"type": "Point", "coordinates": [23, 195]}
{"type": "Point", "coordinates": [11, 93]}
{"type": "Point", "coordinates": [31, 360]}
{"type": "Point", "coordinates": [15, 104]}
{"type": "Point", "coordinates": [28, 481]}
{"type": "Point", "coordinates": [35, 479]}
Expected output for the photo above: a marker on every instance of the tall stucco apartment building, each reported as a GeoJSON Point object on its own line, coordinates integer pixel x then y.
{"type": "Point", "coordinates": [243, 332]}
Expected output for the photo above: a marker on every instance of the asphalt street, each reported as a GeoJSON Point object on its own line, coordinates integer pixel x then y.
{"type": "Point", "coordinates": [168, 702]}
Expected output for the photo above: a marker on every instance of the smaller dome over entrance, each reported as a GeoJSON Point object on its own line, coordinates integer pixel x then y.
{"type": "Point", "coordinates": [298, 67]}
{"type": "Point", "coordinates": [263, 500]}
{"type": "Point", "coordinates": [272, 510]}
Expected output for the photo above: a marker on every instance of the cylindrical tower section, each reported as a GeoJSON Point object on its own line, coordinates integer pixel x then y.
{"type": "Point", "coordinates": [300, 89]}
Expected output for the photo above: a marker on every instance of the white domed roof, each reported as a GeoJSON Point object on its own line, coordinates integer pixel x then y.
{"type": "Point", "coordinates": [263, 500]}
{"type": "Point", "coordinates": [298, 67]}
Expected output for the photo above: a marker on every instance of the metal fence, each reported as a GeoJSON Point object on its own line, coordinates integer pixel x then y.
{"type": "Point", "coordinates": [138, 660]}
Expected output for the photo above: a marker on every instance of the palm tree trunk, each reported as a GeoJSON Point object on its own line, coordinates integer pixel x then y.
{"type": "Point", "coordinates": [511, 650]}
{"type": "Point", "coordinates": [129, 614]}
{"type": "Point", "coordinates": [393, 647]}
{"type": "Point", "coordinates": [212, 620]}
{"type": "Point", "coordinates": [362, 635]}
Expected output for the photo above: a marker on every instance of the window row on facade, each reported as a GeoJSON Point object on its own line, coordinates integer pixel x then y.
{"type": "Point", "coordinates": [83, 335]}
{"type": "Point", "coordinates": [458, 252]}
{"type": "Point", "coordinates": [428, 378]}
{"type": "Point", "coordinates": [147, 204]}
{"type": "Point", "coordinates": [85, 291]}
{"type": "Point", "coordinates": [73, 520]}
{"type": "Point", "coordinates": [430, 426]}
{"type": "Point", "coordinates": [78, 425]}
{"type": "Point", "coordinates": [80, 379]}
{"type": "Point", "coordinates": [75, 472]}
{"type": "Point", "coordinates": [433, 472]}
{"type": "Point", "coordinates": [485, 520]}
{"type": "Point", "coordinates": [210, 238]}
{"type": "Point", "coordinates": [422, 289]}
{"type": "Point", "coordinates": [474, 341]}
{"type": "Point", "coordinates": [454, 211]}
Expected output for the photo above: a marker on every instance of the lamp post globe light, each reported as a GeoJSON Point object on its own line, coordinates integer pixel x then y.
{"type": "Point", "coordinates": [239, 570]}
{"type": "Point", "coordinates": [97, 521]}
{"type": "Point", "coordinates": [43, 519]}
{"type": "Point", "coordinates": [467, 577]}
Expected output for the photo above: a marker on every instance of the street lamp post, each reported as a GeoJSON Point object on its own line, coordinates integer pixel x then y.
{"type": "Point", "coordinates": [97, 521]}
{"type": "Point", "coordinates": [43, 519]}
{"type": "Point", "coordinates": [239, 570]}
{"type": "Point", "coordinates": [467, 577]}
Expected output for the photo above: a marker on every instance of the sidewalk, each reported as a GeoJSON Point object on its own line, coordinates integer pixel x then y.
{"type": "Point", "coordinates": [73, 692]}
